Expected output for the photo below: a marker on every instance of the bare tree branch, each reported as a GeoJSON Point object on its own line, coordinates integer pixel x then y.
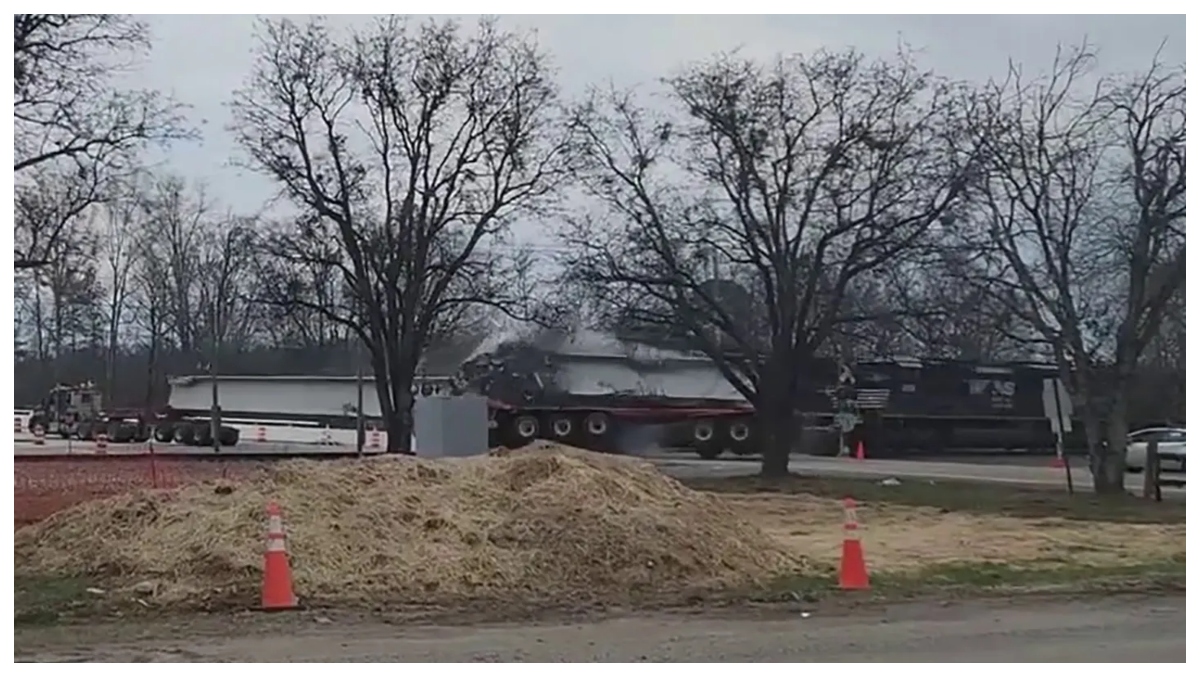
{"type": "Point", "coordinates": [74, 130]}
{"type": "Point", "coordinates": [409, 152]}
{"type": "Point", "coordinates": [1078, 226]}
{"type": "Point", "coordinates": [745, 218]}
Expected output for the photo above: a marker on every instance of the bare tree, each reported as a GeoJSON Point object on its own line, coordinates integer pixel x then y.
{"type": "Point", "coordinates": [119, 227]}
{"type": "Point", "coordinates": [223, 267]}
{"type": "Point", "coordinates": [179, 218]}
{"type": "Point", "coordinates": [408, 153]}
{"type": "Point", "coordinates": [49, 204]}
{"type": "Point", "coordinates": [72, 126]}
{"type": "Point", "coordinates": [149, 300]}
{"type": "Point", "coordinates": [1078, 227]}
{"type": "Point", "coordinates": [745, 217]}
{"type": "Point", "coordinates": [299, 297]}
{"type": "Point", "coordinates": [70, 295]}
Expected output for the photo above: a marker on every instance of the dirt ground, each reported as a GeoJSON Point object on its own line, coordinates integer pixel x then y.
{"type": "Point", "coordinates": [904, 538]}
{"type": "Point", "coordinates": [1120, 629]}
{"type": "Point", "coordinates": [833, 626]}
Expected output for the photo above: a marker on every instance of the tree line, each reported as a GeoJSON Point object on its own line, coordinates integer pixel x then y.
{"type": "Point", "coordinates": [766, 213]}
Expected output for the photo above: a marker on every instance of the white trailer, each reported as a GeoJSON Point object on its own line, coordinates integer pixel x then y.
{"type": "Point", "coordinates": [280, 409]}
{"type": "Point", "coordinates": [286, 397]}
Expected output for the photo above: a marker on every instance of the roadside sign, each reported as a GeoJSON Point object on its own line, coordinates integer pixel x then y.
{"type": "Point", "coordinates": [1056, 403]}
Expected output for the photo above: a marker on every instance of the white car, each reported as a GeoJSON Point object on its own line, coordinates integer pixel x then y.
{"type": "Point", "coordinates": [1172, 447]}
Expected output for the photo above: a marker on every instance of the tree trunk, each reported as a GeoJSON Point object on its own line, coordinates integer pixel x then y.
{"type": "Point", "coordinates": [776, 447]}
{"type": "Point", "coordinates": [383, 394]}
{"type": "Point", "coordinates": [775, 423]}
{"type": "Point", "coordinates": [1111, 476]}
{"type": "Point", "coordinates": [400, 427]}
{"type": "Point", "coordinates": [399, 433]}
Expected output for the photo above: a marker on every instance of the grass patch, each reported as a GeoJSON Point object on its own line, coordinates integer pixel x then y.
{"type": "Point", "coordinates": [960, 496]}
{"type": "Point", "coordinates": [983, 578]}
{"type": "Point", "coordinates": [47, 600]}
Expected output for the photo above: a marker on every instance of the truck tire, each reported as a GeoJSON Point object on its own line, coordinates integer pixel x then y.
{"type": "Point", "coordinates": [704, 435]}
{"type": "Point", "coordinates": [525, 427]}
{"type": "Point", "coordinates": [185, 433]}
{"type": "Point", "coordinates": [203, 435]}
{"type": "Point", "coordinates": [120, 432]}
{"type": "Point", "coordinates": [597, 424]}
{"type": "Point", "coordinates": [164, 432]}
{"type": "Point", "coordinates": [229, 436]}
{"type": "Point", "coordinates": [740, 435]}
{"type": "Point", "coordinates": [562, 426]}
{"type": "Point", "coordinates": [141, 432]}
{"type": "Point", "coordinates": [36, 421]}
{"type": "Point", "coordinates": [86, 430]}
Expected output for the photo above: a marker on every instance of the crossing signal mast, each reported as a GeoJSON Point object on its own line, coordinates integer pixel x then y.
{"type": "Point", "coordinates": [846, 415]}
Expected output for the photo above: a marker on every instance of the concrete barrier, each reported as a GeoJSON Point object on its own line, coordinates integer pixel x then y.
{"type": "Point", "coordinates": [21, 429]}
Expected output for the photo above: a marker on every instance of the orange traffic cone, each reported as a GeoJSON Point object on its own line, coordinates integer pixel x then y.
{"type": "Point", "coordinates": [852, 574]}
{"type": "Point", "coordinates": [860, 452]}
{"type": "Point", "coordinates": [277, 592]}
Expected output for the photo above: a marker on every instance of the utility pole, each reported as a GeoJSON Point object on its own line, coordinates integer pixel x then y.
{"type": "Point", "coordinates": [360, 426]}
{"type": "Point", "coordinates": [213, 371]}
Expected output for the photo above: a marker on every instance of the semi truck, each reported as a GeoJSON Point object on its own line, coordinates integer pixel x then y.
{"type": "Point", "coordinates": [77, 411]}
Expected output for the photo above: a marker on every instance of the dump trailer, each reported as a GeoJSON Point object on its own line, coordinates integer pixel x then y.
{"type": "Point", "coordinates": [299, 400]}
{"type": "Point", "coordinates": [596, 392]}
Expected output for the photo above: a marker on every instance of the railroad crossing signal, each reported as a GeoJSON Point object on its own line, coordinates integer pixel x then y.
{"type": "Point", "coordinates": [845, 376]}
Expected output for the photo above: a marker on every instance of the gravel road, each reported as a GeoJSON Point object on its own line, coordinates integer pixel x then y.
{"type": "Point", "coordinates": [1112, 630]}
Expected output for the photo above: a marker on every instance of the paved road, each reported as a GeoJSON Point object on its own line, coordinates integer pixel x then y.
{"type": "Point", "coordinates": [1115, 630]}
{"type": "Point", "coordinates": [871, 468]}
{"type": "Point", "coordinates": [684, 466]}
{"type": "Point", "coordinates": [59, 447]}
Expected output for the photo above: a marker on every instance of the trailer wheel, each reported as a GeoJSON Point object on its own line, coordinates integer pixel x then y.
{"type": "Point", "coordinates": [708, 451]}
{"type": "Point", "coordinates": [141, 432]}
{"type": "Point", "coordinates": [164, 432]}
{"type": "Point", "coordinates": [526, 427]}
{"type": "Point", "coordinates": [229, 436]}
{"type": "Point", "coordinates": [37, 422]}
{"type": "Point", "coordinates": [119, 432]}
{"type": "Point", "coordinates": [203, 435]}
{"type": "Point", "coordinates": [185, 433]}
{"type": "Point", "coordinates": [741, 437]}
{"type": "Point", "coordinates": [702, 431]}
{"type": "Point", "coordinates": [562, 426]}
{"type": "Point", "coordinates": [596, 424]}
{"type": "Point", "coordinates": [739, 431]}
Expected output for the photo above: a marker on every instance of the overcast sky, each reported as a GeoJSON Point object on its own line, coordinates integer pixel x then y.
{"type": "Point", "coordinates": [202, 59]}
